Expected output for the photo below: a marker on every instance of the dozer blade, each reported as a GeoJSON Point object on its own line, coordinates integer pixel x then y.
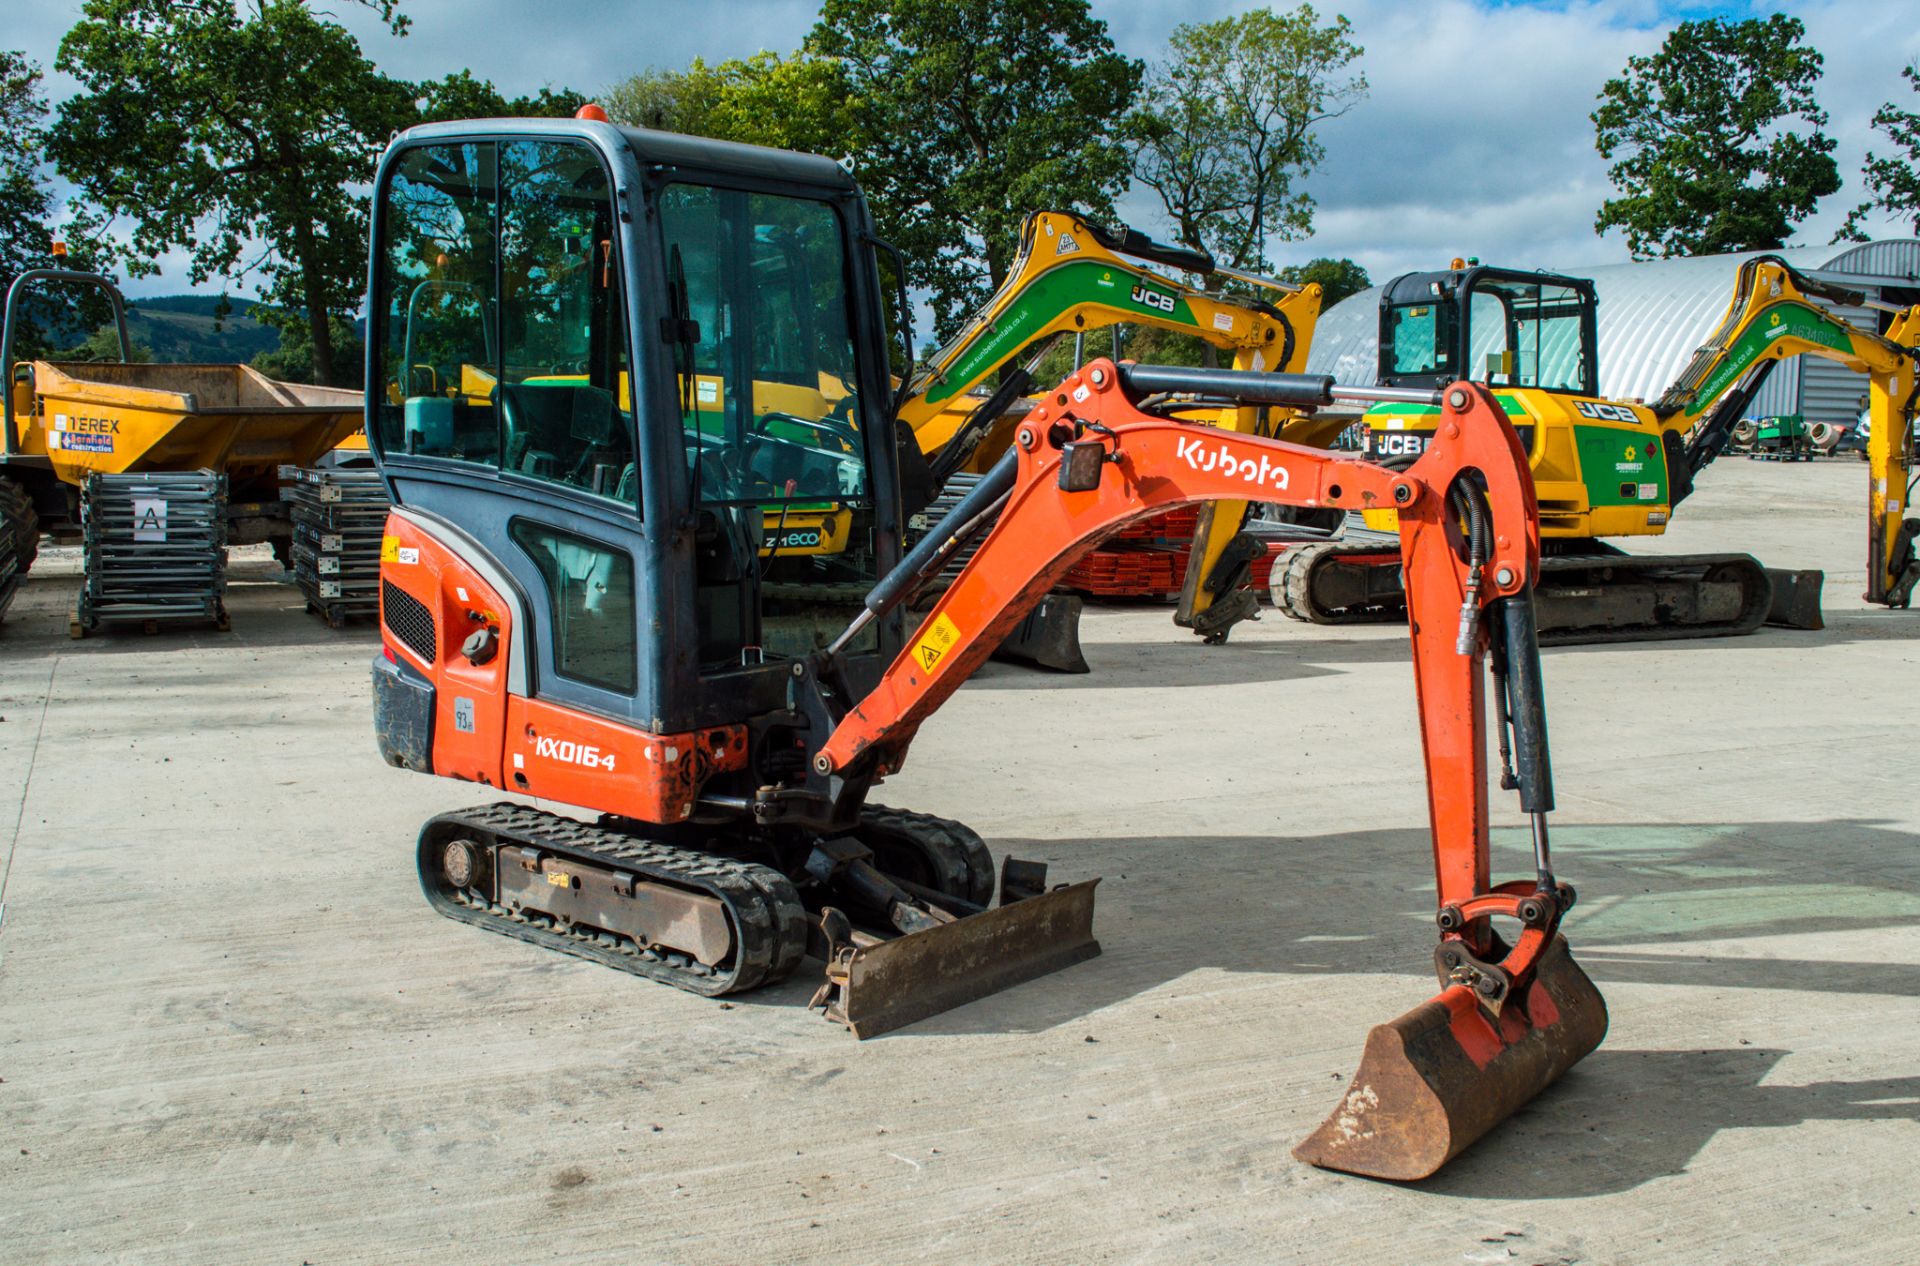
{"type": "Point", "coordinates": [1796, 599]}
{"type": "Point", "coordinates": [1442, 1075]}
{"type": "Point", "coordinates": [878, 988]}
{"type": "Point", "coordinates": [1049, 636]}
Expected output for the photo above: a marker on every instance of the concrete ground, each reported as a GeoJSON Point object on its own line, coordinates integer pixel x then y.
{"type": "Point", "coordinates": [232, 1032]}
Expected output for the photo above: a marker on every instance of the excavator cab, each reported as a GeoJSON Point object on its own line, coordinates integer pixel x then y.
{"type": "Point", "coordinates": [1497, 326]}
{"type": "Point", "coordinates": [689, 473]}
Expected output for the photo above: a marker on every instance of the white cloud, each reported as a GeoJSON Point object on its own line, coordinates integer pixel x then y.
{"type": "Point", "coordinates": [1474, 140]}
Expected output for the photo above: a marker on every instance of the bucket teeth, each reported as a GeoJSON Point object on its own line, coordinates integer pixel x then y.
{"type": "Point", "coordinates": [1439, 1077]}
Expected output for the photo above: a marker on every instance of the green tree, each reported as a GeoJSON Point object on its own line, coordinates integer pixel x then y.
{"type": "Point", "coordinates": [1893, 183]}
{"type": "Point", "coordinates": [1702, 142]}
{"type": "Point", "coordinates": [104, 345]}
{"type": "Point", "coordinates": [798, 103]}
{"type": "Point", "coordinates": [292, 361]}
{"type": "Point", "coordinates": [1338, 278]}
{"type": "Point", "coordinates": [980, 111]}
{"type": "Point", "coordinates": [244, 137]}
{"type": "Point", "coordinates": [1224, 131]}
{"type": "Point", "coordinates": [461, 96]}
{"type": "Point", "coordinates": [247, 135]}
{"type": "Point", "coordinates": [26, 207]}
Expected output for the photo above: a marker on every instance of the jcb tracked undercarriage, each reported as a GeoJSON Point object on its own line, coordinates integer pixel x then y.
{"type": "Point", "coordinates": [576, 606]}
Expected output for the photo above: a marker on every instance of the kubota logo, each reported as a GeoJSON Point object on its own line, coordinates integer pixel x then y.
{"type": "Point", "coordinates": [1199, 457]}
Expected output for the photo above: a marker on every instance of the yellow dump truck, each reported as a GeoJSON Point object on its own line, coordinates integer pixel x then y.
{"type": "Point", "coordinates": [65, 420]}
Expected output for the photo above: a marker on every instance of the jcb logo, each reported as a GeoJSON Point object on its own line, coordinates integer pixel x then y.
{"type": "Point", "coordinates": [1604, 412]}
{"type": "Point", "coordinates": [1149, 298]}
{"type": "Point", "coordinates": [1396, 444]}
{"type": "Point", "coordinates": [569, 752]}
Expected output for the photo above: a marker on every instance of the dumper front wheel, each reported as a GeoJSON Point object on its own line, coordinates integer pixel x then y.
{"type": "Point", "coordinates": [19, 539]}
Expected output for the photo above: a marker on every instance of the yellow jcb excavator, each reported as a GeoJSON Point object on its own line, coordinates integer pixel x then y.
{"type": "Point", "coordinates": [1606, 468]}
{"type": "Point", "coordinates": [1072, 277]}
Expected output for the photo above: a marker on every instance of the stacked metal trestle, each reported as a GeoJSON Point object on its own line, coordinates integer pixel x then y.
{"type": "Point", "coordinates": [337, 519]}
{"type": "Point", "coordinates": [155, 550]}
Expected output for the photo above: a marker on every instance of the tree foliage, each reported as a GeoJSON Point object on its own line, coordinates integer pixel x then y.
{"type": "Point", "coordinates": [1703, 139]}
{"type": "Point", "coordinates": [240, 138]}
{"type": "Point", "coordinates": [292, 361]}
{"type": "Point", "coordinates": [1338, 278]}
{"type": "Point", "coordinates": [246, 136]}
{"type": "Point", "coordinates": [104, 345]}
{"type": "Point", "coordinates": [461, 96]}
{"type": "Point", "coordinates": [1224, 131]}
{"type": "Point", "coordinates": [980, 111]}
{"type": "Point", "coordinates": [798, 103]}
{"type": "Point", "coordinates": [26, 210]}
{"type": "Point", "coordinates": [1893, 183]}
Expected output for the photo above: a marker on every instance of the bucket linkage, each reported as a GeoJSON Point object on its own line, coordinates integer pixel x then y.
{"type": "Point", "coordinates": [1513, 1016]}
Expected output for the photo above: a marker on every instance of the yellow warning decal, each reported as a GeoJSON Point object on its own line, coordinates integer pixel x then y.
{"type": "Point", "coordinates": [389, 549]}
{"type": "Point", "coordinates": [941, 637]}
{"type": "Point", "coordinates": [560, 879]}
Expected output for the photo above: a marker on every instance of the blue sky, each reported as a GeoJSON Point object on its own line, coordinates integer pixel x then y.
{"type": "Point", "coordinates": [1474, 140]}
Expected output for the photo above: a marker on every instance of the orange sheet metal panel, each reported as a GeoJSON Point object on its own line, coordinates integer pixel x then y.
{"type": "Point", "coordinates": [562, 754]}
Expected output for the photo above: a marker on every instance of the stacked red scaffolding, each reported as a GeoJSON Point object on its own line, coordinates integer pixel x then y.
{"type": "Point", "coordinates": [1149, 560]}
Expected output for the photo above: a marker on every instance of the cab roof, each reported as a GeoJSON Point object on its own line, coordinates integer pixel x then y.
{"type": "Point", "coordinates": [650, 147]}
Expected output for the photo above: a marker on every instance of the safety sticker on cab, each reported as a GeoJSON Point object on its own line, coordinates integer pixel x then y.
{"type": "Point", "coordinates": [391, 551]}
{"type": "Point", "coordinates": [940, 638]}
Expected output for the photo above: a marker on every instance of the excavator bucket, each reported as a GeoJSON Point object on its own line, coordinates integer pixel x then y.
{"type": "Point", "coordinates": [1048, 637]}
{"type": "Point", "coordinates": [878, 987]}
{"type": "Point", "coordinates": [1433, 1081]}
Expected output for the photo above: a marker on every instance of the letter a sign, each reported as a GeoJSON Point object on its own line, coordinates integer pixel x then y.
{"type": "Point", "coordinates": [149, 520]}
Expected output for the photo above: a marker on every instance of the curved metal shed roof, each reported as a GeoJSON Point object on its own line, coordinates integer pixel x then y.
{"type": "Point", "coordinates": [1652, 314]}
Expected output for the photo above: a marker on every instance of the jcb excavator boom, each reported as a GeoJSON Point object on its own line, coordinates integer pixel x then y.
{"type": "Point", "coordinates": [1074, 277]}
{"type": "Point", "coordinates": [597, 627]}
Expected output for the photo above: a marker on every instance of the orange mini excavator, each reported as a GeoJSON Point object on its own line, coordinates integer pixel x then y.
{"type": "Point", "coordinates": [584, 398]}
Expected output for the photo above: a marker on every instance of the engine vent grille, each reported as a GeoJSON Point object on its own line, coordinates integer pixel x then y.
{"type": "Point", "coordinates": [408, 619]}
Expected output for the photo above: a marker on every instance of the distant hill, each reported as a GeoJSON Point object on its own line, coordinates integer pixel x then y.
{"type": "Point", "coordinates": [183, 328]}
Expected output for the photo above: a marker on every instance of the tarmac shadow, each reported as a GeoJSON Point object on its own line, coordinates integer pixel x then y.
{"type": "Point", "coordinates": [1359, 902]}
{"type": "Point", "coordinates": [1620, 1119]}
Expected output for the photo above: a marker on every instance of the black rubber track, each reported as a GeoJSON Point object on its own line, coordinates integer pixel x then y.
{"type": "Point", "coordinates": [1565, 580]}
{"type": "Point", "coordinates": [953, 859]}
{"type": "Point", "coordinates": [764, 911]}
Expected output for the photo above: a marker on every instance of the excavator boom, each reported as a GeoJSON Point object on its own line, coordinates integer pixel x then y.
{"type": "Point", "coordinates": [1510, 1019]}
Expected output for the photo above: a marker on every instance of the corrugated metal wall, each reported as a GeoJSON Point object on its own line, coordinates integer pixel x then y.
{"type": "Point", "coordinates": [1654, 315]}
